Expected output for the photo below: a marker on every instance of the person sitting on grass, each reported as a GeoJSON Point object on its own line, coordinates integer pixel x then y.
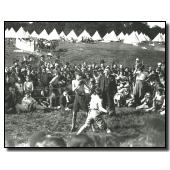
{"type": "Point", "coordinates": [130, 102]}
{"type": "Point", "coordinates": [122, 93]}
{"type": "Point", "coordinates": [158, 100]}
{"type": "Point", "coordinates": [146, 102]}
{"type": "Point", "coordinates": [95, 113]}
{"type": "Point", "coordinates": [28, 104]}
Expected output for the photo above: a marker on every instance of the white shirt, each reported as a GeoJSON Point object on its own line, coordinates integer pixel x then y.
{"type": "Point", "coordinates": [96, 103]}
{"type": "Point", "coordinates": [28, 86]}
{"type": "Point", "coordinates": [75, 84]}
{"type": "Point", "coordinates": [19, 87]}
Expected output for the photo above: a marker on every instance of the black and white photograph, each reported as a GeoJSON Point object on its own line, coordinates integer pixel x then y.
{"type": "Point", "coordinates": [85, 84]}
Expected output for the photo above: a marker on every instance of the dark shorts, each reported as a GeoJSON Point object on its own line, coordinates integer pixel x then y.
{"type": "Point", "coordinates": [80, 102]}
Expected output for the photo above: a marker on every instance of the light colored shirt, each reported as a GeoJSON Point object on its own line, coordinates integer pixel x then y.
{"type": "Point", "coordinates": [28, 86]}
{"type": "Point", "coordinates": [75, 84]}
{"type": "Point", "coordinates": [140, 76]}
{"type": "Point", "coordinates": [27, 101]}
{"type": "Point", "coordinates": [96, 103]}
{"type": "Point", "coordinates": [19, 87]}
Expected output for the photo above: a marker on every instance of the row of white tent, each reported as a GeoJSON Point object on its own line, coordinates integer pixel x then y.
{"type": "Point", "coordinates": [133, 38]}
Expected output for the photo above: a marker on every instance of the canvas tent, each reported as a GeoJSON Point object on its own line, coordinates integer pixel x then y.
{"type": "Point", "coordinates": [34, 34]}
{"type": "Point", "coordinates": [146, 37]}
{"type": "Point", "coordinates": [54, 35]}
{"type": "Point", "coordinates": [62, 35]}
{"type": "Point", "coordinates": [11, 33]}
{"type": "Point", "coordinates": [43, 35]}
{"type": "Point", "coordinates": [142, 37]}
{"type": "Point", "coordinates": [72, 36]}
{"type": "Point", "coordinates": [21, 33]}
{"type": "Point", "coordinates": [84, 35]}
{"type": "Point", "coordinates": [113, 36]}
{"type": "Point", "coordinates": [110, 37]}
{"type": "Point", "coordinates": [132, 39]}
{"type": "Point", "coordinates": [163, 36]}
{"type": "Point", "coordinates": [25, 45]}
{"type": "Point", "coordinates": [27, 34]}
{"type": "Point", "coordinates": [126, 35]}
{"type": "Point", "coordinates": [121, 36]}
{"type": "Point", "coordinates": [96, 36]}
{"type": "Point", "coordinates": [106, 38]}
{"type": "Point", "coordinates": [158, 38]}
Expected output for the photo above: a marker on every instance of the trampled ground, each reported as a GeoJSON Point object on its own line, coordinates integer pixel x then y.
{"type": "Point", "coordinates": [129, 127]}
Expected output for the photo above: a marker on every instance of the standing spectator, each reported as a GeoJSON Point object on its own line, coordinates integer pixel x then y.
{"type": "Point", "coordinates": [28, 85]}
{"type": "Point", "coordinates": [80, 98]}
{"type": "Point", "coordinates": [139, 85]}
{"type": "Point", "coordinates": [107, 84]}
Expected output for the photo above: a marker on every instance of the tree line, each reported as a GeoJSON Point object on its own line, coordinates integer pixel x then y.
{"type": "Point", "coordinates": [91, 27]}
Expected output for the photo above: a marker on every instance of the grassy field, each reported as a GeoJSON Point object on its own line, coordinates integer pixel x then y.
{"type": "Point", "coordinates": [129, 127]}
{"type": "Point", "coordinates": [115, 51]}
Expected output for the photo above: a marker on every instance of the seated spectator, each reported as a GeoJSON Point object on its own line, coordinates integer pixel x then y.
{"type": "Point", "coordinates": [66, 102]}
{"type": "Point", "coordinates": [122, 93]}
{"type": "Point", "coordinates": [28, 104]}
{"type": "Point", "coordinates": [130, 102]}
{"type": "Point", "coordinates": [158, 100]}
{"type": "Point", "coordinates": [146, 102]}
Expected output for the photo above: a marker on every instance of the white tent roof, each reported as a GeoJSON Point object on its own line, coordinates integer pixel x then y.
{"type": "Point", "coordinates": [84, 35]}
{"type": "Point", "coordinates": [142, 37]}
{"type": "Point", "coordinates": [163, 37]}
{"type": "Point", "coordinates": [27, 34]}
{"type": "Point", "coordinates": [11, 33]}
{"type": "Point", "coordinates": [132, 39]}
{"type": "Point", "coordinates": [121, 36]}
{"type": "Point", "coordinates": [34, 34]}
{"type": "Point", "coordinates": [72, 35]}
{"type": "Point", "coordinates": [146, 37]}
{"type": "Point", "coordinates": [106, 38]}
{"type": "Point", "coordinates": [21, 33]}
{"type": "Point", "coordinates": [110, 37]}
{"type": "Point", "coordinates": [113, 36]}
{"type": "Point", "coordinates": [43, 35]}
{"type": "Point", "coordinates": [126, 35]}
{"type": "Point", "coordinates": [54, 35]}
{"type": "Point", "coordinates": [62, 35]}
{"type": "Point", "coordinates": [96, 36]}
{"type": "Point", "coordinates": [158, 38]}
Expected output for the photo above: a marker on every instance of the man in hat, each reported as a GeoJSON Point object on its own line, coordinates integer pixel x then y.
{"type": "Point", "coordinates": [107, 84]}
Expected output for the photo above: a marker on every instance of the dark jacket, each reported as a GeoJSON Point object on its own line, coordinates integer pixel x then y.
{"type": "Point", "coordinates": [108, 84]}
